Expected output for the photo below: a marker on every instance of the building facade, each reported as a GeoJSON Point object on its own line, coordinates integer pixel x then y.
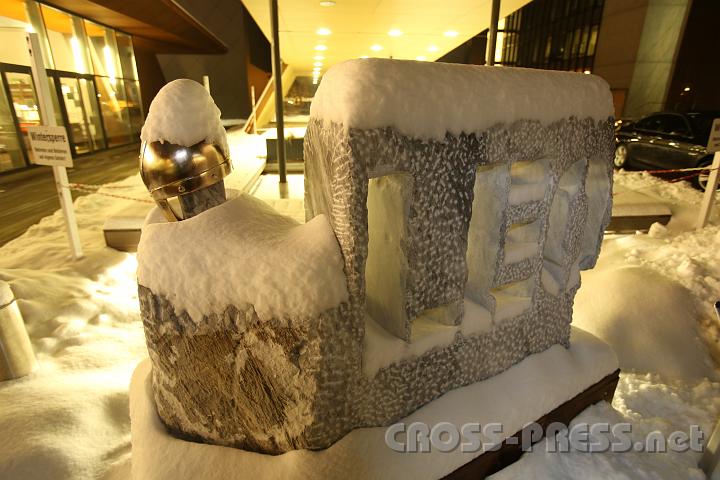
{"type": "Point", "coordinates": [106, 60]}
{"type": "Point", "coordinates": [93, 81]}
{"type": "Point", "coordinates": [649, 51]}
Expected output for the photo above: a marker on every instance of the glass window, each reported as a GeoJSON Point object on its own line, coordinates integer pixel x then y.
{"type": "Point", "coordinates": [702, 124]}
{"type": "Point", "coordinates": [22, 95]}
{"type": "Point", "coordinates": [103, 50]}
{"type": "Point", "coordinates": [68, 44]}
{"type": "Point", "coordinates": [126, 54]}
{"type": "Point", "coordinates": [593, 41]}
{"type": "Point", "coordinates": [134, 108]}
{"type": "Point", "coordinates": [584, 42]}
{"type": "Point", "coordinates": [11, 155]}
{"type": "Point", "coordinates": [13, 25]}
{"type": "Point", "coordinates": [32, 9]}
{"type": "Point", "coordinates": [92, 112]}
{"type": "Point", "coordinates": [299, 97]}
{"type": "Point", "coordinates": [673, 125]}
{"type": "Point", "coordinates": [54, 99]}
{"type": "Point", "coordinates": [114, 110]}
{"type": "Point", "coordinates": [651, 123]}
{"type": "Point", "coordinates": [75, 110]}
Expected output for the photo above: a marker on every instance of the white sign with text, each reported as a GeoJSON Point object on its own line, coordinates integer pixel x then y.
{"type": "Point", "coordinates": [50, 146]}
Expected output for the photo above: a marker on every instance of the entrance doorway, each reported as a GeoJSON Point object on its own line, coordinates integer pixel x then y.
{"type": "Point", "coordinates": [81, 114]}
{"type": "Point", "coordinates": [23, 102]}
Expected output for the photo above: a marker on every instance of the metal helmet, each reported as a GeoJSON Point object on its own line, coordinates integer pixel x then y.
{"type": "Point", "coordinates": [169, 170]}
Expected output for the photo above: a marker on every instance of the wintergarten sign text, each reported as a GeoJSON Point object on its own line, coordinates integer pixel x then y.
{"type": "Point", "coordinates": [50, 146]}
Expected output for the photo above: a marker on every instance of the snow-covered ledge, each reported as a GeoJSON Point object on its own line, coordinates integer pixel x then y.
{"type": "Point", "coordinates": [521, 394]}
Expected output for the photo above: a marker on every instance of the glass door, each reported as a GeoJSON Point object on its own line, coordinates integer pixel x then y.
{"type": "Point", "coordinates": [92, 112]}
{"type": "Point", "coordinates": [24, 101]}
{"type": "Point", "coordinates": [114, 110]}
{"type": "Point", "coordinates": [11, 152]}
{"type": "Point", "coordinates": [80, 112]}
{"type": "Point", "coordinates": [77, 124]}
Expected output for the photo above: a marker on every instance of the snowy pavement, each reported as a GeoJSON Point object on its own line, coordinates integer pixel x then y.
{"type": "Point", "coordinates": [650, 297]}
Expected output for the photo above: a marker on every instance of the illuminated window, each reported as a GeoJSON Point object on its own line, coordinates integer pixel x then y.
{"type": "Point", "coordinates": [127, 56]}
{"type": "Point", "coordinates": [66, 37]}
{"type": "Point", "coordinates": [13, 25]}
{"type": "Point", "coordinates": [103, 51]}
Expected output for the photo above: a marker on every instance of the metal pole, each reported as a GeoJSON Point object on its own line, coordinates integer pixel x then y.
{"type": "Point", "coordinates": [277, 76]}
{"type": "Point", "coordinates": [492, 33]}
{"type": "Point", "coordinates": [47, 112]}
{"type": "Point", "coordinates": [254, 108]}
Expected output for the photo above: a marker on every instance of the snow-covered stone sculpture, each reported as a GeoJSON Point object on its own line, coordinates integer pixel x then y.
{"type": "Point", "coordinates": [450, 210]}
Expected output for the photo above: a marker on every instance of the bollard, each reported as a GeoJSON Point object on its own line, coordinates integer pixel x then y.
{"type": "Point", "coordinates": [17, 358]}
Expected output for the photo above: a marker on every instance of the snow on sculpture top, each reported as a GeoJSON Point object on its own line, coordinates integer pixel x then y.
{"type": "Point", "coordinates": [184, 113]}
{"type": "Point", "coordinates": [252, 252]}
{"type": "Point", "coordinates": [427, 100]}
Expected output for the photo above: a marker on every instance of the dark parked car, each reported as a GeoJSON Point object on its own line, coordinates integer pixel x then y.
{"type": "Point", "coordinates": [666, 141]}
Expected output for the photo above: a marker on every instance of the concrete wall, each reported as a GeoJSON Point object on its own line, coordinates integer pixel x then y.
{"type": "Point", "coordinates": [228, 72]}
{"type": "Point", "coordinates": [150, 75]}
{"type": "Point", "coordinates": [659, 44]}
{"type": "Point", "coordinates": [637, 48]}
{"type": "Point", "coordinates": [617, 46]}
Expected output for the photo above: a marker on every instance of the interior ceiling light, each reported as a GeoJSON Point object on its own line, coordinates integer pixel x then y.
{"type": "Point", "coordinates": [433, 48]}
{"type": "Point", "coordinates": [321, 48]}
{"type": "Point", "coordinates": [317, 64]}
{"type": "Point", "coordinates": [395, 32]}
{"type": "Point", "coordinates": [587, 72]}
{"type": "Point", "coordinates": [327, 3]}
{"type": "Point", "coordinates": [376, 48]}
{"type": "Point", "coordinates": [421, 58]}
{"type": "Point", "coordinates": [318, 57]}
{"type": "Point", "coordinates": [451, 33]}
{"type": "Point", "coordinates": [323, 31]}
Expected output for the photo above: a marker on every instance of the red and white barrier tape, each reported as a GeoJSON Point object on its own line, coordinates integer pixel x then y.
{"type": "Point", "coordinates": [676, 170]}
{"type": "Point", "coordinates": [82, 187]}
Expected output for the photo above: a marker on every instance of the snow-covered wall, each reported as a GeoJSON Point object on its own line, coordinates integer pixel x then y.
{"type": "Point", "coordinates": [428, 100]}
{"type": "Point", "coordinates": [464, 201]}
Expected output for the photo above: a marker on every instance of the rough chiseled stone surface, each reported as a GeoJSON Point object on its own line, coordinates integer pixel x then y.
{"type": "Point", "coordinates": [274, 386]}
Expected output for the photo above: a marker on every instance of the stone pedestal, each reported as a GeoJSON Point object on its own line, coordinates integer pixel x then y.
{"type": "Point", "coordinates": [586, 370]}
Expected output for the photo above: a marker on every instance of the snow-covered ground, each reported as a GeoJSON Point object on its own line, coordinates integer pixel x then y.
{"type": "Point", "coordinates": [650, 296]}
